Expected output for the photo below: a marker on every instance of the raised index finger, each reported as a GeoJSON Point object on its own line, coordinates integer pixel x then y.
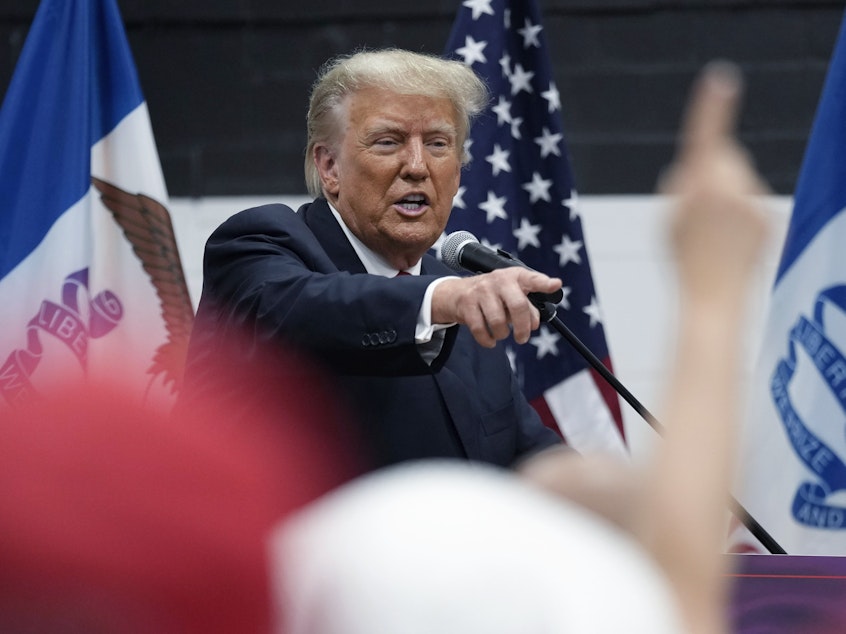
{"type": "Point", "coordinates": [712, 110]}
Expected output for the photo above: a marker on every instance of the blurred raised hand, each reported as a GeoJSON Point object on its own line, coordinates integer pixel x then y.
{"type": "Point", "coordinates": [717, 231]}
{"type": "Point", "coordinates": [719, 227]}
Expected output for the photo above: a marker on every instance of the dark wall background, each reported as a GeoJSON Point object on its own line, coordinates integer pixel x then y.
{"type": "Point", "coordinates": [227, 81]}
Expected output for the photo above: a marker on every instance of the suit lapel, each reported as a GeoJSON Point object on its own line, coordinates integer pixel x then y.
{"type": "Point", "coordinates": [430, 265]}
{"type": "Point", "coordinates": [318, 216]}
{"type": "Point", "coordinates": [329, 233]}
{"type": "Point", "coordinates": [320, 220]}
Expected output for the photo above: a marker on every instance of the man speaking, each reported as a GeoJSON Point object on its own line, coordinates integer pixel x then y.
{"type": "Point", "coordinates": [347, 279]}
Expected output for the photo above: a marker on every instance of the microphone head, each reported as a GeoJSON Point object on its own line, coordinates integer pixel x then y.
{"type": "Point", "coordinates": [452, 246]}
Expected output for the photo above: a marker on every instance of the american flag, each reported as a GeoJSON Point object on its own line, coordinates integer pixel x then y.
{"type": "Point", "coordinates": [517, 194]}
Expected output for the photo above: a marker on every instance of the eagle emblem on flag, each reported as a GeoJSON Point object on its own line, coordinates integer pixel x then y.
{"type": "Point", "coordinates": [147, 226]}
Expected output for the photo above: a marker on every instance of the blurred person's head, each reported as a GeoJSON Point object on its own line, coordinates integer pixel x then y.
{"type": "Point", "coordinates": [124, 520]}
{"type": "Point", "coordinates": [452, 547]}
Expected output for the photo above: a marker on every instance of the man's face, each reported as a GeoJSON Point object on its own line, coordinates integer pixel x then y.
{"type": "Point", "coordinates": [394, 171]}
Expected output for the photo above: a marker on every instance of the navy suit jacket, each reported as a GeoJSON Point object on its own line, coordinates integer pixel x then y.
{"type": "Point", "coordinates": [293, 278]}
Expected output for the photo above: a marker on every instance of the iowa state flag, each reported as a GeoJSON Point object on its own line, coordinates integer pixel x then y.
{"type": "Point", "coordinates": [793, 458]}
{"type": "Point", "coordinates": [517, 194]}
{"type": "Point", "coordinates": [91, 286]}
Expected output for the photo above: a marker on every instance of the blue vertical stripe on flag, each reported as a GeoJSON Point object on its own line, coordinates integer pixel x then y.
{"type": "Point", "coordinates": [74, 82]}
{"type": "Point", "coordinates": [821, 187]}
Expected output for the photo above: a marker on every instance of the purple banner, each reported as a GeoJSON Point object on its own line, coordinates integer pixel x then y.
{"type": "Point", "coordinates": [775, 594]}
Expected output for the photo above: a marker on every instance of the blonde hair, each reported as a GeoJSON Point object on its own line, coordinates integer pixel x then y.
{"type": "Point", "coordinates": [399, 71]}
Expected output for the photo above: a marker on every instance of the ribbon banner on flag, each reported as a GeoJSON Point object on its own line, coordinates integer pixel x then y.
{"type": "Point", "coordinates": [793, 449]}
{"type": "Point", "coordinates": [91, 285]}
{"type": "Point", "coordinates": [517, 194]}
